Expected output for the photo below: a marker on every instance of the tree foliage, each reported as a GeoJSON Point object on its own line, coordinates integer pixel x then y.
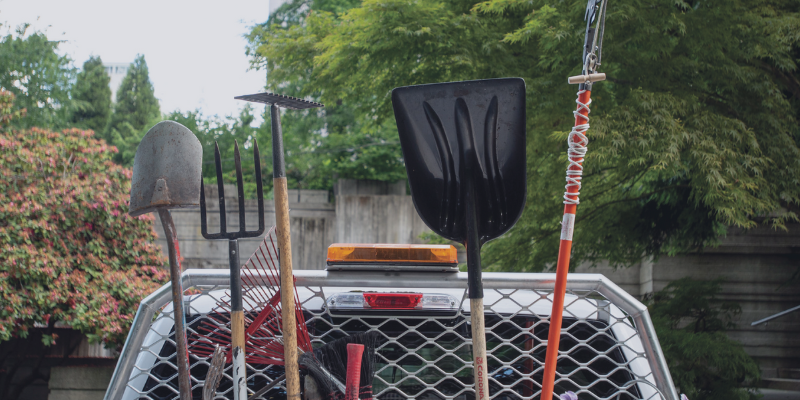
{"type": "Point", "coordinates": [703, 361]}
{"type": "Point", "coordinates": [93, 89]}
{"type": "Point", "coordinates": [215, 130]}
{"type": "Point", "coordinates": [696, 129]}
{"type": "Point", "coordinates": [69, 252]}
{"type": "Point", "coordinates": [336, 141]}
{"type": "Point", "coordinates": [40, 79]}
{"type": "Point", "coordinates": [135, 111]}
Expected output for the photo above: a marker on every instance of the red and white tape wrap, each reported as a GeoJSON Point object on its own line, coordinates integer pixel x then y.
{"type": "Point", "coordinates": [577, 142]}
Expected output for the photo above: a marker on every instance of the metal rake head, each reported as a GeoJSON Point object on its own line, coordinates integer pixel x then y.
{"type": "Point", "coordinates": [279, 100]}
{"type": "Point", "coordinates": [223, 225]}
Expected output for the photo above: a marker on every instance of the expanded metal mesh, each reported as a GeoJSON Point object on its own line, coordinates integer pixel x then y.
{"type": "Point", "coordinates": [428, 356]}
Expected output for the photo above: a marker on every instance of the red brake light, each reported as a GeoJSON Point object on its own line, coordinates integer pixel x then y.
{"type": "Point", "coordinates": [393, 301]}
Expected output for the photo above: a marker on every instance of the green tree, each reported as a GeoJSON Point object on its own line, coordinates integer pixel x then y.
{"type": "Point", "coordinates": [696, 129]}
{"type": "Point", "coordinates": [93, 89]}
{"type": "Point", "coordinates": [69, 252]}
{"type": "Point", "coordinates": [335, 141]}
{"type": "Point", "coordinates": [225, 131]}
{"type": "Point", "coordinates": [32, 70]}
{"type": "Point", "coordinates": [135, 111]}
{"type": "Point", "coordinates": [704, 362]}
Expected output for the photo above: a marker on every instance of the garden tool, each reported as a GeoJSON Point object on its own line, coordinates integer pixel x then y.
{"type": "Point", "coordinates": [464, 150]}
{"type": "Point", "coordinates": [276, 101]}
{"type": "Point", "coordinates": [237, 312]}
{"type": "Point", "coordinates": [166, 175]}
{"type": "Point", "coordinates": [577, 142]}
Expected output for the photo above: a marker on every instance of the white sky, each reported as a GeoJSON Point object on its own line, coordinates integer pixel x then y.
{"type": "Point", "coordinates": [194, 49]}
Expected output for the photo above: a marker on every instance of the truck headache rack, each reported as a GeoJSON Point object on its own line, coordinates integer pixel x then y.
{"type": "Point", "coordinates": [609, 349]}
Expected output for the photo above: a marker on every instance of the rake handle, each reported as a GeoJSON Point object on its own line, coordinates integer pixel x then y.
{"type": "Point", "coordinates": [285, 246]}
{"type": "Point", "coordinates": [287, 289]}
{"type": "Point", "coordinates": [562, 269]}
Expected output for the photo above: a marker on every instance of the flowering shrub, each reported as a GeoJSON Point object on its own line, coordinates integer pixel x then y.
{"type": "Point", "coordinates": [69, 251]}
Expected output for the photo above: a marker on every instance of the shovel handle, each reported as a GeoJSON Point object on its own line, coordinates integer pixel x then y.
{"type": "Point", "coordinates": [480, 370]}
{"type": "Point", "coordinates": [184, 384]}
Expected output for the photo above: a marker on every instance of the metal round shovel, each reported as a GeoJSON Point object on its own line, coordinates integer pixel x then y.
{"type": "Point", "coordinates": [166, 175]}
{"type": "Point", "coordinates": [464, 149]}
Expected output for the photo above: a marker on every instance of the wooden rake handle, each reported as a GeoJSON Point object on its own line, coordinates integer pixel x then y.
{"type": "Point", "coordinates": [287, 289]}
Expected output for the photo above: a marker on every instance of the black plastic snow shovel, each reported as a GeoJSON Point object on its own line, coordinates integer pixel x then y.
{"type": "Point", "coordinates": [464, 150]}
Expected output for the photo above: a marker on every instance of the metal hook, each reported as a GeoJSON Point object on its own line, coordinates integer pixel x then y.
{"type": "Point", "coordinates": [592, 44]}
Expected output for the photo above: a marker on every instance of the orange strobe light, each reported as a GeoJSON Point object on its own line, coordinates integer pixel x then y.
{"type": "Point", "coordinates": [359, 253]}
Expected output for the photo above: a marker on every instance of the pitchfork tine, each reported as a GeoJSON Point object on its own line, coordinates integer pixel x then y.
{"type": "Point", "coordinates": [223, 224]}
{"type": "Point", "coordinates": [237, 159]}
{"type": "Point", "coordinates": [259, 188]}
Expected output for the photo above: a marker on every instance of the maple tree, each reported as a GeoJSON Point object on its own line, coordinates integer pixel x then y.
{"type": "Point", "coordinates": [695, 130]}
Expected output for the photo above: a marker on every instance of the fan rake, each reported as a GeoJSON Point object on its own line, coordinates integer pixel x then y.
{"type": "Point", "coordinates": [262, 315]}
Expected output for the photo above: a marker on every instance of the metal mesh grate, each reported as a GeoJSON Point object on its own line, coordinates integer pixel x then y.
{"type": "Point", "coordinates": [428, 355]}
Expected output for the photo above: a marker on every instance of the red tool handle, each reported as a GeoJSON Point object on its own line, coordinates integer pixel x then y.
{"type": "Point", "coordinates": [564, 251]}
{"type": "Point", "coordinates": [354, 353]}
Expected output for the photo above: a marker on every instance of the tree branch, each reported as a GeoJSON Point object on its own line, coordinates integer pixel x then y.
{"type": "Point", "coordinates": [792, 83]}
{"type": "Point", "coordinates": [648, 194]}
{"type": "Point", "coordinates": [619, 81]}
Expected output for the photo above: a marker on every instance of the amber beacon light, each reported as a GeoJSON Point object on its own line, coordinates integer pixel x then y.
{"type": "Point", "coordinates": [419, 254]}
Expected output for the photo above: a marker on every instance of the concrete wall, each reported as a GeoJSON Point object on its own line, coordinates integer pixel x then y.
{"type": "Point", "coordinates": [756, 267]}
{"type": "Point", "coordinates": [365, 212]}
{"type": "Point", "coordinates": [79, 382]}
{"type": "Point", "coordinates": [377, 219]}
{"type": "Point", "coordinates": [312, 223]}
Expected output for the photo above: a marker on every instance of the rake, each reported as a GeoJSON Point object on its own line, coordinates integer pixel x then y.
{"type": "Point", "coordinates": [262, 322]}
{"type": "Point", "coordinates": [277, 101]}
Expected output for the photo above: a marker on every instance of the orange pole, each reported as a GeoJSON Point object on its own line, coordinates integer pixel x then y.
{"type": "Point", "coordinates": [562, 267]}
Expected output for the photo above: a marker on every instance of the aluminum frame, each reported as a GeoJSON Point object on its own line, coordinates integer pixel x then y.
{"type": "Point", "coordinates": [635, 311]}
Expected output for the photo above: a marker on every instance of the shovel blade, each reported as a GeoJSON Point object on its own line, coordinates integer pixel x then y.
{"type": "Point", "coordinates": [464, 141]}
{"type": "Point", "coordinates": [166, 169]}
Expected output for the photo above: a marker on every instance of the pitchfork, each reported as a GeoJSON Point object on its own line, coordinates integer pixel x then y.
{"type": "Point", "coordinates": [237, 312]}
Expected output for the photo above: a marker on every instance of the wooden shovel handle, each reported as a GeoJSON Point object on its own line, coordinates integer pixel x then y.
{"type": "Point", "coordinates": [287, 289]}
{"type": "Point", "coordinates": [480, 369]}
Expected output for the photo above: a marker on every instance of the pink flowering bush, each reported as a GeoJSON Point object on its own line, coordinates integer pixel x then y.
{"type": "Point", "coordinates": [69, 251]}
